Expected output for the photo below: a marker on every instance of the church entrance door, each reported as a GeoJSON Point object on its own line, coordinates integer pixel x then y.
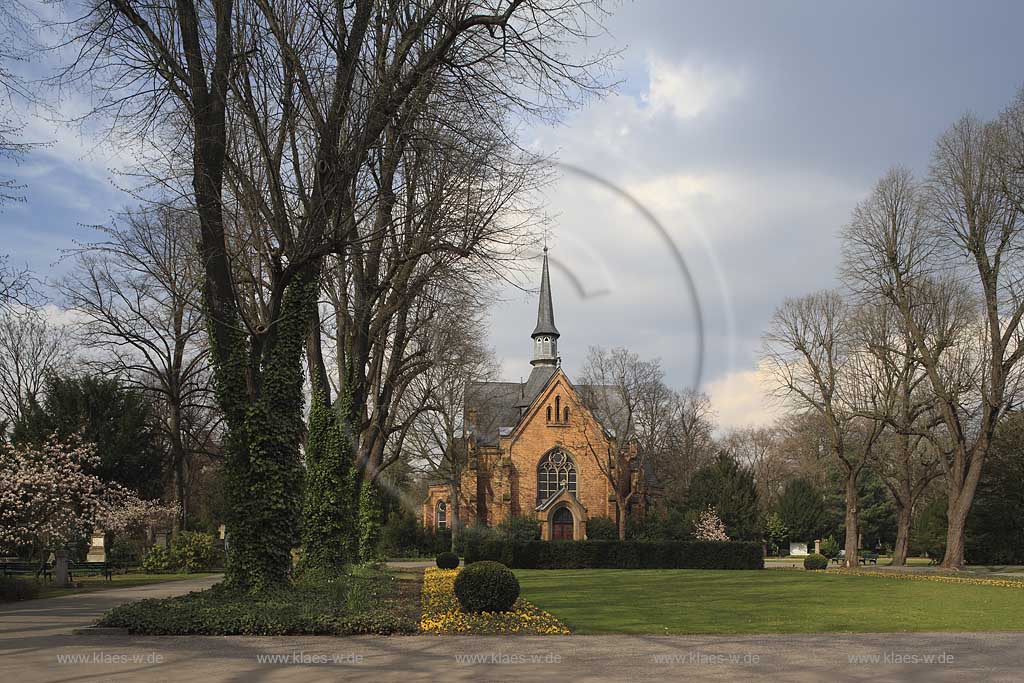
{"type": "Point", "coordinates": [561, 525]}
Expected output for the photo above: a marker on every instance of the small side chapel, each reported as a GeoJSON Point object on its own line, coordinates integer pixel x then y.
{"type": "Point", "coordinates": [530, 448]}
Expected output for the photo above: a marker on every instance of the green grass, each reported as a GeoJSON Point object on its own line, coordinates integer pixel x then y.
{"type": "Point", "coordinates": [679, 601]}
{"type": "Point", "coordinates": [90, 584]}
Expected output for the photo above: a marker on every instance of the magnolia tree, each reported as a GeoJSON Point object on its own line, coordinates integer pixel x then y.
{"type": "Point", "coordinates": [709, 526]}
{"type": "Point", "coordinates": [123, 511]}
{"type": "Point", "coordinates": [48, 499]}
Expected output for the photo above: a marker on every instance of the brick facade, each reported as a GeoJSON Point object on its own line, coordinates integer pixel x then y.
{"type": "Point", "coordinates": [501, 480]}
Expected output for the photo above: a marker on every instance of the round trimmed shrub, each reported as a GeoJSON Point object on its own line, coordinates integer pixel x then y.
{"type": "Point", "coordinates": [486, 586]}
{"type": "Point", "coordinates": [815, 561]}
{"type": "Point", "coordinates": [447, 560]}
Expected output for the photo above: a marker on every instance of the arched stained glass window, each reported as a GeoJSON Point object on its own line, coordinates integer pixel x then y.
{"type": "Point", "coordinates": [555, 471]}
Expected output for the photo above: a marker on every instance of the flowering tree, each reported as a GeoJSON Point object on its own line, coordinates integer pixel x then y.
{"type": "Point", "coordinates": [709, 526]}
{"type": "Point", "coordinates": [47, 498]}
{"type": "Point", "coordinates": [122, 510]}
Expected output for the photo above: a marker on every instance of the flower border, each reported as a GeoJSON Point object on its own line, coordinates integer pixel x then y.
{"type": "Point", "coordinates": [442, 613]}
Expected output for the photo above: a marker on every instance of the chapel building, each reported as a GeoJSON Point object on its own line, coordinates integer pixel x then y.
{"type": "Point", "coordinates": [531, 448]}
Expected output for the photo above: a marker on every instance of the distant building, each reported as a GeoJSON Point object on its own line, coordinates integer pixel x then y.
{"type": "Point", "coordinates": [523, 448]}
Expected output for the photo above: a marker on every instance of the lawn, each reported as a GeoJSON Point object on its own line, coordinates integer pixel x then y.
{"type": "Point", "coordinates": [675, 601]}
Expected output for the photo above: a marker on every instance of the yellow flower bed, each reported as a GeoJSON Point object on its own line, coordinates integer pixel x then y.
{"type": "Point", "coordinates": [937, 578]}
{"type": "Point", "coordinates": [442, 613]}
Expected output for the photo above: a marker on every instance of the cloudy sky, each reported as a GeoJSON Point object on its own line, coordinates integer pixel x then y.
{"type": "Point", "coordinates": [746, 130]}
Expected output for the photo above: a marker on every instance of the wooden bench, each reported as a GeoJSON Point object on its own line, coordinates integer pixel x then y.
{"type": "Point", "coordinates": [26, 569]}
{"type": "Point", "coordinates": [868, 557]}
{"type": "Point", "coordinates": [91, 568]}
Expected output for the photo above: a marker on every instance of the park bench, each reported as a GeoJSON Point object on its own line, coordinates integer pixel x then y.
{"type": "Point", "coordinates": [26, 569]}
{"type": "Point", "coordinates": [91, 568]}
{"type": "Point", "coordinates": [868, 557]}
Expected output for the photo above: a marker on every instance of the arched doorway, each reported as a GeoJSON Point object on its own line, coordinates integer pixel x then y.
{"type": "Point", "coordinates": [562, 525]}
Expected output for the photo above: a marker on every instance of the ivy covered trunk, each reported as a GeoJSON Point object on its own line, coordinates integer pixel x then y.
{"type": "Point", "coordinates": [370, 512]}
{"type": "Point", "coordinates": [259, 381]}
{"type": "Point", "coordinates": [329, 536]}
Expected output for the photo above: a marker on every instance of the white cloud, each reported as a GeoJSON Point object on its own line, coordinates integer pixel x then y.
{"type": "Point", "coordinates": [741, 399]}
{"type": "Point", "coordinates": [688, 90]}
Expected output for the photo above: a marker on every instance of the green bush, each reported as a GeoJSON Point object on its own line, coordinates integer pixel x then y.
{"type": "Point", "coordinates": [486, 587]}
{"type": "Point", "coordinates": [403, 535]}
{"type": "Point", "coordinates": [157, 561]}
{"type": "Point", "coordinates": [473, 536]}
{"type": "Point", "coordinates": [17, 588]}
{"type": "Point", "coordinates": [123, 553]}
{"type": "Point", "coordinates": [447, 560]}
{"type": "Point", "coordinates": [362, 600]}
{"type": "Point", "coordinates": [830, 547]}
{"type": "Point", "coordinates": [620, 554]}
{"type": "Point", "coordinates": [518, 529]}
{"type": "Point", "coordinates": [815, 562]}
{"type": "Point", "coordinates": [193, 551]}
{"type": "Point", "coordinates": [602, 529]}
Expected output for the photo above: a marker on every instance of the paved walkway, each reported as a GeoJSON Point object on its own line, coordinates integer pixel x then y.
{"type": "Point", "coordinates": [36, 645]}
{"type": "Point", "coordinates": [833, 657]}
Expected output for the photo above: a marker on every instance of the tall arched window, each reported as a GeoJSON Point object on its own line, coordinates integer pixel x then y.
{"type": "Point", "coordinates": [441, 518]}
{"type": "Point", "coordinates": [558, 407]}
{"type": "Point", "coordinates": [555, 471]}
{"type": "Point", "coordinates": [549, 413]}
{"type": "Point", "coordinates": [566, 418]}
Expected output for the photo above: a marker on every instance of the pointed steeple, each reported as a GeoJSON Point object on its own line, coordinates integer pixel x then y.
{"type": "Point", "coordinates": [545, 334]}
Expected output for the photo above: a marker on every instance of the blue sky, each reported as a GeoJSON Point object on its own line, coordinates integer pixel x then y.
{"type": "Point", "coordinates": [749, 129]}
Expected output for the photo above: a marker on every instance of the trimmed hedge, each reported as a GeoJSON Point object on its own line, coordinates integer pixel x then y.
{"type": "Point", "coordinates": [619, 554]}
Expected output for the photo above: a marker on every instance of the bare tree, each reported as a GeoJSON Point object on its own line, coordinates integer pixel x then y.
{"type": "Point", "coordinates": [948, 257]}
{"type": "Point", "coordinates": [908, 455]}
{"type": "Point", "coordinates": [440, 436]}
{"type": "Point", "coordinates": [30, 347]}
{"type": "Point", "coordinates": [16, 286]}
{"type": "Point", "coordinates": [633, 406]}
{"type": "Point", "coordinates": [17, 45]}
{"type": "Point", "coordinates": [809, 355]}
{"type": "Point", "coordinates": [682, 443]}
{"type": "Point", "coordinates": [760, 449]}
{"type": "Point", "coordinates": [277, 107]}
{"type": "Point", "coordinates": [136, 293]}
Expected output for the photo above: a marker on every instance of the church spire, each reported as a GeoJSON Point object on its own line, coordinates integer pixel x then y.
{"type": "Point", "coordinates": [545, 334]}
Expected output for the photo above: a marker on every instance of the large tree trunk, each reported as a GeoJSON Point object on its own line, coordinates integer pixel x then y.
{"type": "Point", "coordinates": [453, 513]}
{"type": "Point", "coordinates": [178, 456]}
{"type": "Point", "coordinates": [903, 517]}
{"type": "Point", "coordinates": [852, 531]}
{"type": "Point", "coordinates": [956, 515]}
{"type": "Point", "coordinates": [260, 390]}
{"type": "Point", "coordinates": [961, 496]}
